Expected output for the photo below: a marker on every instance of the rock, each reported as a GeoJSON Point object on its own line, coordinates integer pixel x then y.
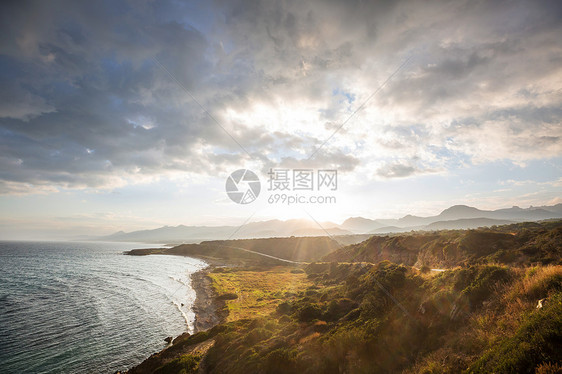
{"type": "Point", "coordinates": [542, 302]}
{"type": "Point", "coordinates": [168, 339]}
{"type": "Point", "coordinates": [183, 336]}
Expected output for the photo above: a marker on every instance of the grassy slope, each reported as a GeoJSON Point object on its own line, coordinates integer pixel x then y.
{"type": "Point", "coordinates": [364, 318]}
{"type": "Point", "coordinates": [293, 248]}
{"type": "Point", "coordinates": [257, 293]}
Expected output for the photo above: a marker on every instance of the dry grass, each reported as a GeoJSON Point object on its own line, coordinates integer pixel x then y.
{"type": "Point", "coordinates": [535, 284]}
{"type": "Point", "coordinates": [259, 292]}
{"type": "Point", "coordinates": [509, 306]}
{"type": "Point", "coordinates": [549, 368]}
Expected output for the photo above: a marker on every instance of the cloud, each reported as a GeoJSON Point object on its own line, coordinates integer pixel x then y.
{"type": "Point", "coordinates": [396, 171]}
{"type": "Point", "coordinates": [90, 93]}
{"type": "Point", "coordinates": [402, 169]}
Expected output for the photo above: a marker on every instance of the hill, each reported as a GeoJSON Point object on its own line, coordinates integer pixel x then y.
{"type": "Point", "coordinates": [518, 244]}
{"type": "Point", "coordinates": [269, 251]}
{"type": "Point", "coordinates": [383, 318]}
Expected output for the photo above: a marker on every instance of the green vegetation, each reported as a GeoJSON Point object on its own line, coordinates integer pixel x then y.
{"type": "Point", "coordinates": [212, 253]}
{"type": "Point", "coordinates": [521, 244]}
{"type": "Point", "coordinates": [479, 316]}
{"type": "Point", "coordinates": [186, 364]}
{"type": "Point", "coordinates": [238, 252]}
{"type": "Point", "coordinates": [293, 248]}
{"type": "Point", "coordinates": [252, 293]}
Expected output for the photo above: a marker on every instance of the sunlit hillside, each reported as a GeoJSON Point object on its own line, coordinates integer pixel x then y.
{"type": "Point", "coordinates": [496, 307]}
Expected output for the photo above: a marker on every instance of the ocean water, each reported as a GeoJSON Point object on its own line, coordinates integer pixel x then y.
{"type": "Point", "coordinates": [87, 308]}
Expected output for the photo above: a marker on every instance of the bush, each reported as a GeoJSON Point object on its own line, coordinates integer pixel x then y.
{"type": "Point", "coordinates": [282, 360]}
{"type": "Point", "coordinates": [339, 308]}
{"type": "Point", "coordinates": [256, 336]}
{"type": "Point", "coordinates": [186, 364]}
{"type": "Point", "coordinates": [425, 269]}
{"type": "Point", "coordinates": [284, 308]}
{"type": "Point", "coordinates": [309, 312]}
{"type": "Point", "coordinates": [228, 296]}
{"type": "Point", "coordinates": [485, 279]}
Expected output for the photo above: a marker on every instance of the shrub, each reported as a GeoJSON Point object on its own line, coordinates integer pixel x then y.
{"type": "Point", "coordinates": [186, 364]}
{"type": "Point", "coordinates": [339, 308]}
{"type": "Point", "coordinates": [228, 296]}
{"type": "Point", "coordinates": [425, 269]}
{"type": "Point", "coordinates": [282, 360]}
{"type": "Point", "coordinates": [309, 312]}
{"type": "Point", "coordinates": [284, 308]}
{"type": "Point", "coordinates": [256, 336]}
{"type": "Point", "coordinates": [485, 278]}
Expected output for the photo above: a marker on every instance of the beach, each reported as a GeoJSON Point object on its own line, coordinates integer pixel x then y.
{"type": "Point", "coordinates": [209, 312]}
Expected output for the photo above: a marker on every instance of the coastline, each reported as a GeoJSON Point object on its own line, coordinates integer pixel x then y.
{"type": "Point", "coordinates": [209, 312]}
{"type": "Point", "coordinates": [207, 308]}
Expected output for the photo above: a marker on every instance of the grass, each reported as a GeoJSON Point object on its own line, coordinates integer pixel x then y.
{"type": "Point", "coordinates": [259, 292]}
{"type": "Point", "coordinates": [509, 334]}
{"type": "Point", "coordinates": [478, 316]}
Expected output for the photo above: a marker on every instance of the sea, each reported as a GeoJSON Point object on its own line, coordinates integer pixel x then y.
{"type": "Point", "coordinates": [85, 307]}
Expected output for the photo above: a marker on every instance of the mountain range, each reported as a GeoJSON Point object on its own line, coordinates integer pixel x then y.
{"type": "Point", "coordinates": [455, 217]}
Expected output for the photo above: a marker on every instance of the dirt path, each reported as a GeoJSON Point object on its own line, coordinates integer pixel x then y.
{"type": "Point", "coordinates": [263, 254]}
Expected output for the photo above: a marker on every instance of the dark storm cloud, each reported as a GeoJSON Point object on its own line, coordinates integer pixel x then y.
{"type": "Point", "coordinates": [83, 78]}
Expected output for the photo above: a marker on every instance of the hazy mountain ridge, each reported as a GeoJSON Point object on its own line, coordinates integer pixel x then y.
{"type": "Point", "coordinates": [263, 229]}
{"type": "Point", "coordinates": [454, 217]}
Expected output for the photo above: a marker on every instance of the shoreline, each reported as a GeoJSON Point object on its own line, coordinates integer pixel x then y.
{"type": "Point", "coordinates": [207, 308]}
{"type": "Point", "coordinates": [209, 312]}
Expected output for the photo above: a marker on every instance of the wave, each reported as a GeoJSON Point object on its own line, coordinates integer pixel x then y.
{"type": "Point", "coordinates": [74, 307]}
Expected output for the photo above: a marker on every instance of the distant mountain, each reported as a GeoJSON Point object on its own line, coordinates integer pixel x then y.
{"type": "Point", "coordinates": [321, 232]}
{"type": "Point", "coordinates": [458, 212]}
{"type": "Point", "coordinates": [454, 217]}
{"type": "Point", "coordinates": [169, 234]}
{"type": "Point", "coordinates": [411, 220]}
{"type": "Point", "coordinates": [554, 209]}
{"type": "Point", "coordinates": [196, 234]}
{"type": "Point", "coordinates": [529, 214]}
{"type": "Point", "coordinates": [392, 229]}
{"type": "Point", "coordinates": [466, 223]}
{"type": "Point", "coordinates": [361, 225]}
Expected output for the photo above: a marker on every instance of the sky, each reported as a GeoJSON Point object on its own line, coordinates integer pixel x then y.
{"type": "Point", "coordinates": [126, 115]}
